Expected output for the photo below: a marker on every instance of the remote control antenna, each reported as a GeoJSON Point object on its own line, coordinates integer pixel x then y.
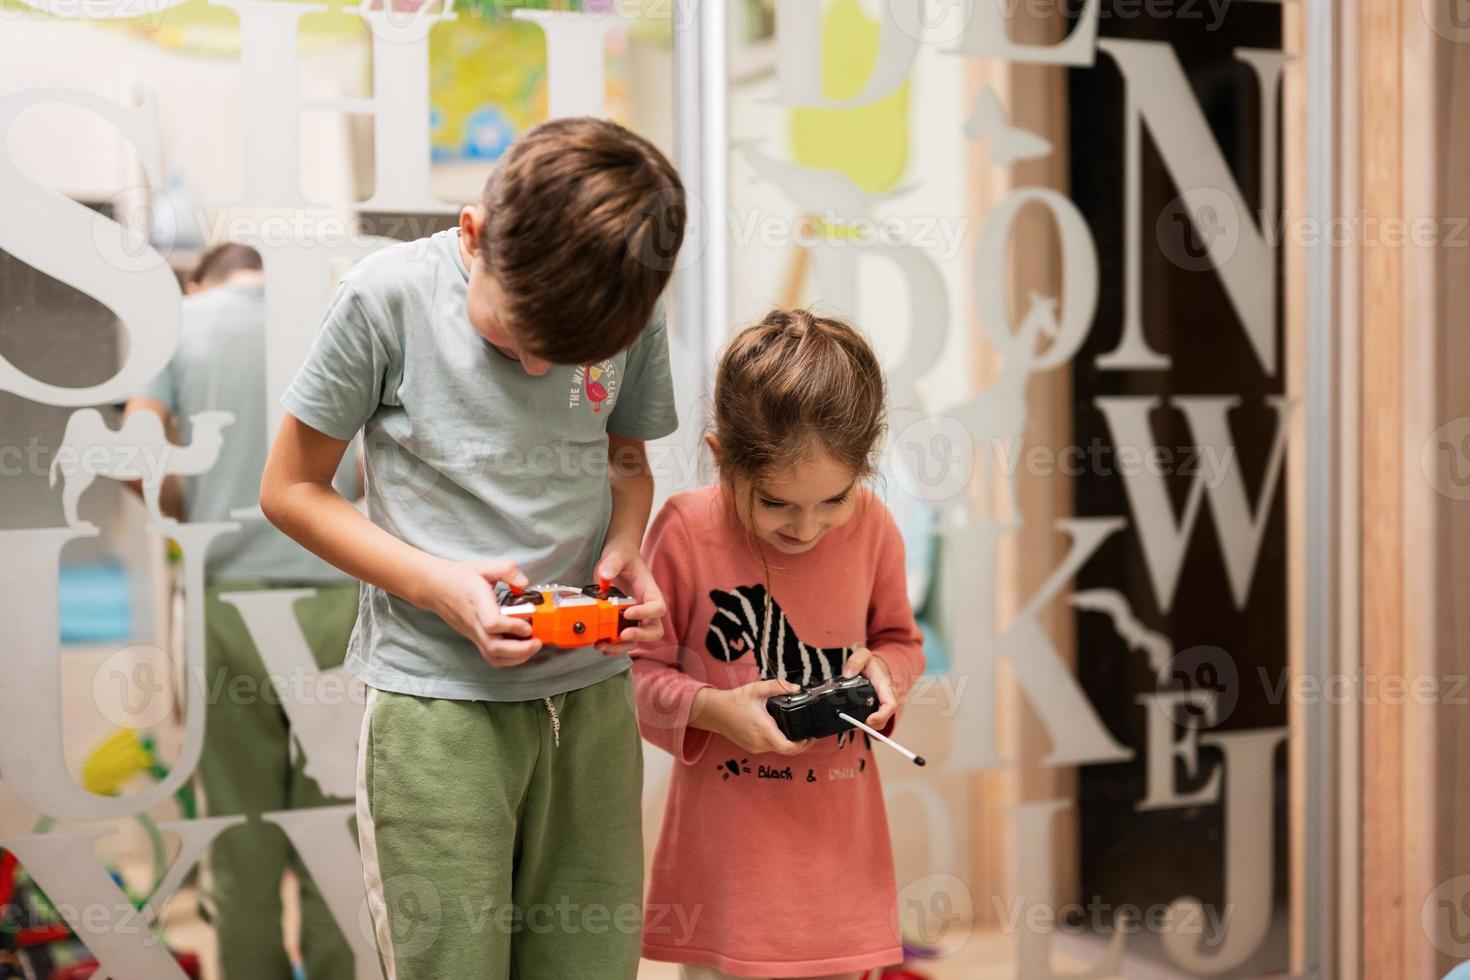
{"type": "Point", "coordinates": [917, 760]}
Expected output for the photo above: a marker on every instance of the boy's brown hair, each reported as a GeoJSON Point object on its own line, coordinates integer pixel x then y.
{"type": "Point", "coordinates": [583, 221]}
{"type": "Point", "coordinates": [792, 384]}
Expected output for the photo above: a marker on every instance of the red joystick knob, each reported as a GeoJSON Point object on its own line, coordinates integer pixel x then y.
{"type": "Point", "coordinates": [603, 584]}
{"type": "Point", "coordinates": [515, 589]}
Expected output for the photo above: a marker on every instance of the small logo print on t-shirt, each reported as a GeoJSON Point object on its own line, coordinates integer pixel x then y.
{"type": "Point", "coordinates": [595, 385]}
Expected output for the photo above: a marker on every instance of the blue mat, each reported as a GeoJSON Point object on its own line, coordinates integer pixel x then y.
{"type": "Point", "coordinates": [936, 652]}
{"type": "Point", "coordinates": [96, 606]}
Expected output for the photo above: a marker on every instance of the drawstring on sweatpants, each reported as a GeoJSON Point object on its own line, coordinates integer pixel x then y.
{"type": "Point", "coordinates": [555, 721]}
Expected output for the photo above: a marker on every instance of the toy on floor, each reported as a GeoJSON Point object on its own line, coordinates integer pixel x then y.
{"type": "Point", "coordinates": [37, 942]}
{"type": "Point", "coordinates": [564, 616]}
{"type": "Point", "coordinates": [838, 706]}
{"type": "Point", "coordinates": [123, 756]}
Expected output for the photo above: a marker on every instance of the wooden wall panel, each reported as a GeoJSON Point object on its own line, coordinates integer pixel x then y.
{"type": "Point", "coordinates": [1381, 91]}
{"type": "Point", "coordinates": [1451, 530]}
{"type": "Point", "coordinates": [1413, 83]}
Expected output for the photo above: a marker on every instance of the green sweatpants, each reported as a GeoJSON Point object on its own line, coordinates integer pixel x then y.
{"type": "Point", "coordinates": [491, 851]}
{"type": "Point", "coordinates": [246, 767]}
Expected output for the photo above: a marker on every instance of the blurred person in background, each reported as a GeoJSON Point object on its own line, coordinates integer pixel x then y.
{"type": "Point", "coordinates": [248, 765]}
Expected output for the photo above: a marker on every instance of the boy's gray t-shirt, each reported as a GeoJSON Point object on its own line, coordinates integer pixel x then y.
{"type": "Point", "coordinates": [469, 457]}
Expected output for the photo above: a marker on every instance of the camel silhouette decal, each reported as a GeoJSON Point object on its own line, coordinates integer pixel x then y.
{"type": "Point", "coordinates": [138, 450]}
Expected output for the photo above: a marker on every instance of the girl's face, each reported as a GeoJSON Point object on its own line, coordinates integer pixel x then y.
{"type": "Point", "coordinates": [793, 510]}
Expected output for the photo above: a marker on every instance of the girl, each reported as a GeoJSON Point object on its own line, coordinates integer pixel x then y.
{"type": "Point", "coordinates": [774, 859]}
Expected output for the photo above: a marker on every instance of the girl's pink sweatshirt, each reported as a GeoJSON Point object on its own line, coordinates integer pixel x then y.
{"type": "Point", "coordinates": [769, 865]}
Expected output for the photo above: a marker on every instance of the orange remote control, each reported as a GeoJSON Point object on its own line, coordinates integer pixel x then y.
{"type": "Point", "coordinates": [564, 616]}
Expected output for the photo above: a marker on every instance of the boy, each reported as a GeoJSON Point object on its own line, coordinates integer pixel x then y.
{"type": "Point", "coordinates": [495, 369]}
{"type": "Point", "coordinates": [246, 766]}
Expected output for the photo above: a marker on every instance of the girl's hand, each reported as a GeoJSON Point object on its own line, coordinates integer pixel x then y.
{"type": "Point", "coordinates": [740, 715]}
{"type": "Point", "coordinates": [462, 593]}
{"type": "Point", "coordinates": [625, 568]}
{"type": "Point", "coordinates": [862, 661]}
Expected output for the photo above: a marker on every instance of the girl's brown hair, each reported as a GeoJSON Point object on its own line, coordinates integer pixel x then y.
{"type": "Point", "coordinates": [792, 384]}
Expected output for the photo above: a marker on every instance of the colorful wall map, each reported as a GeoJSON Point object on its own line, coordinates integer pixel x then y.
{"type": "Point", "coordinates": [487, 72]}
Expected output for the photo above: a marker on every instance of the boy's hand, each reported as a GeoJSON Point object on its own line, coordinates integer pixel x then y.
{"type": "Point", "coordinates": [625, 568]}
{"type": "Point", "coordinates": [862, 661]}
{"type": "Point", "coordinates": [462, 593]}
{"type": "Point", "coordinates": [740, 715]}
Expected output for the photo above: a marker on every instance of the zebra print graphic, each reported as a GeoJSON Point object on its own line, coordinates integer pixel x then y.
{"type": "Point", "coordinates": [748, 618]}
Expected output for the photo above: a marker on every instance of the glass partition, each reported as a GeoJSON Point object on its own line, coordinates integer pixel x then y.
{"type": "Point", "coordinates": [1074, 233]}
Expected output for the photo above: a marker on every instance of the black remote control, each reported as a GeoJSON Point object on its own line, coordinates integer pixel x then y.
{"type": "Point", "coordinates": [813, 713]}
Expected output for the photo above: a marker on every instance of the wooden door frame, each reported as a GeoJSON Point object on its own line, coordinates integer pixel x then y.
{"type": "Point", "coordinates": [1409, 306]}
